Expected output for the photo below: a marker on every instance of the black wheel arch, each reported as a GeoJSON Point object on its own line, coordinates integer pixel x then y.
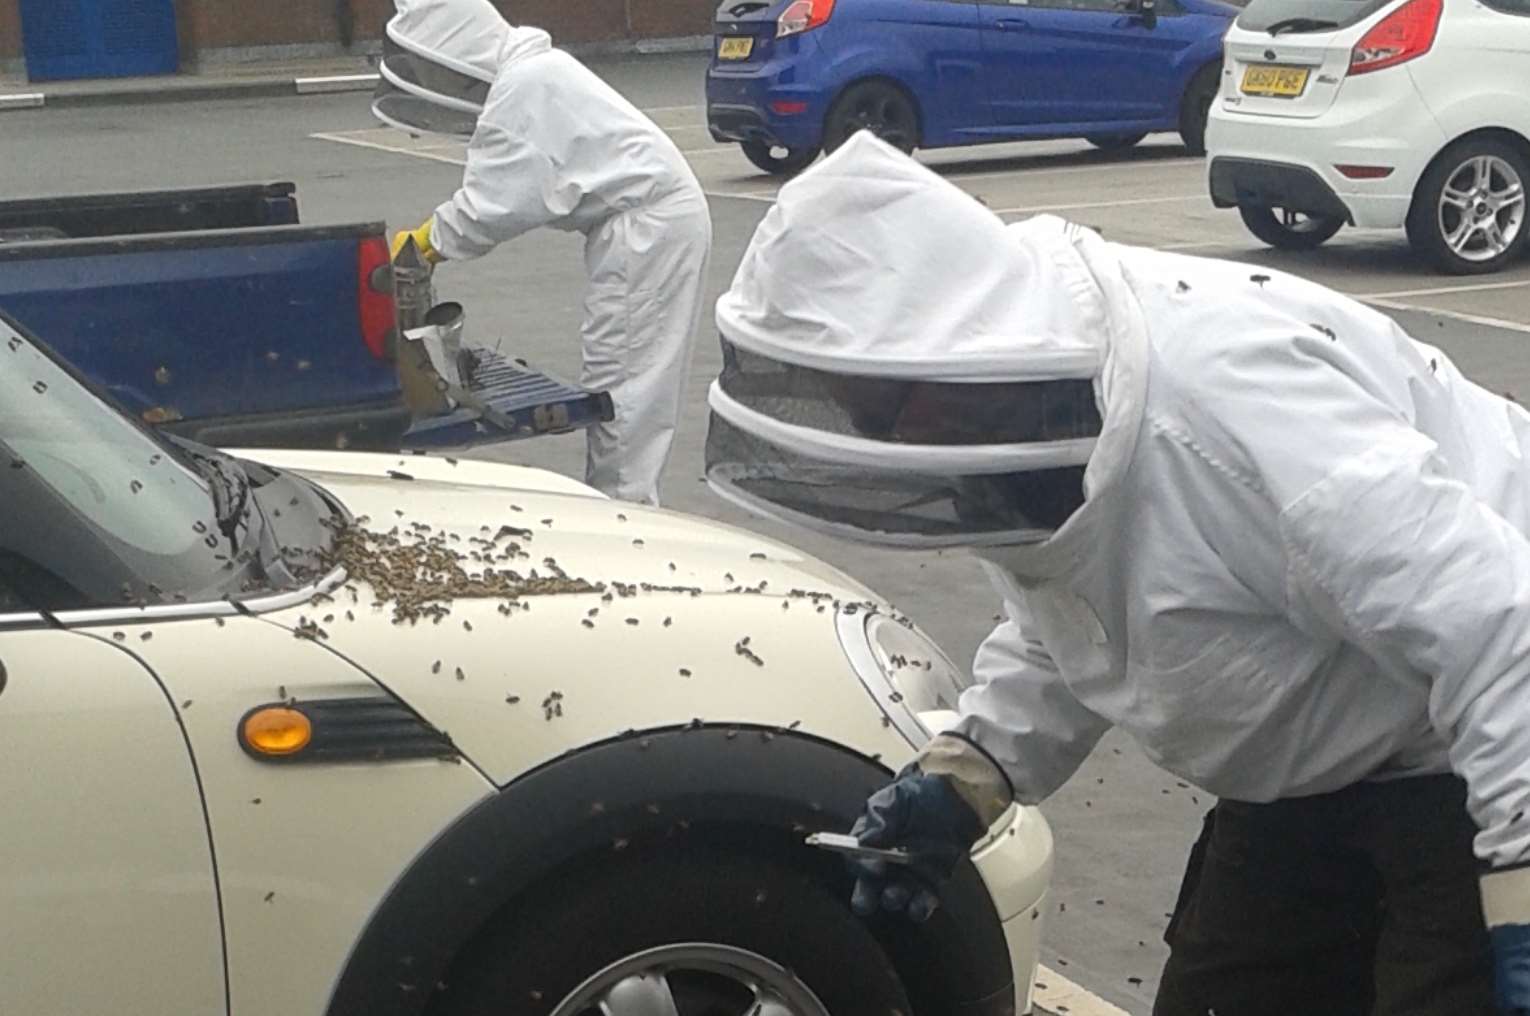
{"type": "Point", "coordinates": [1503, 135]}
{"type": "Point", "coordinates": [1211, 68]}
{"type": "Point", "coordinates": [760, 787]}
{"type": "Point", "coordinates": [885, 79]}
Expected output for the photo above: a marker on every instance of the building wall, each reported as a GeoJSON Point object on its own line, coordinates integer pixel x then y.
{"type": "Point", "coordinates": [217, 24]}
{"type": "Point", "coordinates": [227, 25]}
{"type": "Point", "coordinates": [10, 29]}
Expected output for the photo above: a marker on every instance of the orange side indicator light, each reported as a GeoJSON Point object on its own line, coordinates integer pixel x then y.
{"type": "Point", "coordinates": [276, 731]}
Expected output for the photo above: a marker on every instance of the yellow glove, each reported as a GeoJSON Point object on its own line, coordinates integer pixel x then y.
{"type": "Point", "coordinates": [421, 238]}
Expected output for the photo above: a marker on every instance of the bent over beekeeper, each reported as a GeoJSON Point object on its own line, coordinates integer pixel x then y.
{"type": "Point", "coordinates": [1247, 520]}
{"type": "Point", "coordinates": [554, 145]}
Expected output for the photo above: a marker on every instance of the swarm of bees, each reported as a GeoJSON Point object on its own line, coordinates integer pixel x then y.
{"type": "Point", "coordinates": [420, 574]}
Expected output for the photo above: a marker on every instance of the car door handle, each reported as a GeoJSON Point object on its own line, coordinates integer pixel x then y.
{"type": "Point", "coordinates": [1012, 25]}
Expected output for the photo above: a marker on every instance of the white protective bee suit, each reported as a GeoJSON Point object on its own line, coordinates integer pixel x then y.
{"type": "Point", "coordinates": [1302, 560]}
{"type": "Point", "coordinates": [554, 145]}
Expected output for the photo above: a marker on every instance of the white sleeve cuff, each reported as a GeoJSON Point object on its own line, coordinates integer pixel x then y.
{"type": "Point", "coordinates": [975, 776]}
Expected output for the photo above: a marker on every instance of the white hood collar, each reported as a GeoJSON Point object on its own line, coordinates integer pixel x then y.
{"type": "Point", "coordinates": [468, 36]}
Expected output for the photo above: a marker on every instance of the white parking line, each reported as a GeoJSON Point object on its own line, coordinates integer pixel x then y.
{"type": "Point", "coordinates": [768, 198]}
{"type": "Point", "coordinates": [1480, 287]}
{"type": "Point", "coordinates": [1058, 994]}
{"type": "Point", "coordinates": [1470, 319]}
{"type": "Point", "coordinates": [431, 153]}
{"type": "Point", "coordinates": [415, 153]}
{"type": "Point", "coordinates": [1191, 245]}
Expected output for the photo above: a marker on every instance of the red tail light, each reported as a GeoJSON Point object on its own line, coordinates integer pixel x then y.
{"type": "Point", "coordinates": [803, 16]}
{"type": "Point", "coordinates": [1405, 34]}
{"type": "Point", "coordinates": [379, 314]}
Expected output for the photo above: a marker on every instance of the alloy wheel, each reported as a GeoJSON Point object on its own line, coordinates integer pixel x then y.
{"type": "Point", "coordinates": [1482, 208]}
{"type": "Point", "coordinates": [885, 114]}
{"type": "Point", "coordinates": [693, 979]}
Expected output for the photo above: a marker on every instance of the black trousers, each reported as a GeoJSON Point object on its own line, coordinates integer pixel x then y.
{"type": "Point", "coordinates": [1358, 903]}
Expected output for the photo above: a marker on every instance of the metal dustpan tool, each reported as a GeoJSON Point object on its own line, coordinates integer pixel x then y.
{"type": "Point", "coordinates": [465, 396]}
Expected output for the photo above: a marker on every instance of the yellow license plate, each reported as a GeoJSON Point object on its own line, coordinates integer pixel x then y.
{"type": "Point", "coordinates": [1284, 82]}
{"type": "Point", "coordinates": [735, 49]}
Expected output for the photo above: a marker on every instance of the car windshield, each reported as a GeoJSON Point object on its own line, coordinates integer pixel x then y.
{"type": "Point", "coordinates": [1294, 17]}
{"type": "Point", "coordinates": [101, 512]}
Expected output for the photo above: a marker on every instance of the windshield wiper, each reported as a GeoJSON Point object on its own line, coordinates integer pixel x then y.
{"type": "Point", "coordinates": [229, 485]}
{"type": "Point", "coordinates": [1300, 25]}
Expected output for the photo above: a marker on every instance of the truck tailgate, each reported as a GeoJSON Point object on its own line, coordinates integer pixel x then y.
{"type": "Point", "coordinates": [522, 403]}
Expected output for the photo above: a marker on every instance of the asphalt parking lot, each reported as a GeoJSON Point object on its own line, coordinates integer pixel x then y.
{"type": "Point", "coordinates": [1123, 827]}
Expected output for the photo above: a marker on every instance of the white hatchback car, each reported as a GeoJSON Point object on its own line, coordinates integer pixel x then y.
{"type": "Point", "coordinates": [1379, 114]}
{"type": "Point", "coordinates": [350, 734]}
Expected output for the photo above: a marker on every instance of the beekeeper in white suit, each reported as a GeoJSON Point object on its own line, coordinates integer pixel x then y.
{"type": "Point", "coordinates": [554, 145]}
{"type": "Point", "coordinates": [1243, 518]}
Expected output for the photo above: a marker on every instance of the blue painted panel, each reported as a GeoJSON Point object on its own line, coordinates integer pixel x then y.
{"type": "Point", "coordinates": [212, 332]}
{"type": "Point", "coordinates": [98, 38]}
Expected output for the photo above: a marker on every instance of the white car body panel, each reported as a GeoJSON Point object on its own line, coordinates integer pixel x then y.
{"type": "Point", "coordinates": [324, 843]}
{"type": "Point", "coordinates": [108, 903]}
{"type": "Point", "coordinates": [1484, 84]}
{"type": "Point", "coordinates": [617, 675]}
{"type": "Point", "coordinates": [303, 869]}
{"type": "Point", "coordinates": [1402, 116]}
{"type": "Point", "coordinates": [1016, 864]}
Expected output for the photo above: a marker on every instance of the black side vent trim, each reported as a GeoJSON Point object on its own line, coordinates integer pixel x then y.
{"type": "Point", "coordinates": [358, 730]}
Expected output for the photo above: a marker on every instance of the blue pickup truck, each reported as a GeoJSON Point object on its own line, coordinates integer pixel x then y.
{"type": "Point", "coordinates": [213, 313]}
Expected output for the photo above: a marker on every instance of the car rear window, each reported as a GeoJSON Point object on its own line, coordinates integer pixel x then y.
{"type": "Point", "coordinates": [1303, 16]}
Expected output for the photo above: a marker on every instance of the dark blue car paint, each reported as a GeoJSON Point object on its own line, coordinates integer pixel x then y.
{"type": "Point", "coordinates": [211, 312]}
{"type": "Point", "coordinates": [978, 72]}
{"type": "Point", "coordinates": [208, 324]}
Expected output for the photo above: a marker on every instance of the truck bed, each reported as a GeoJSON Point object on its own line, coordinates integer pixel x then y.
{"type": "Point", "coordinates": [213, 313]}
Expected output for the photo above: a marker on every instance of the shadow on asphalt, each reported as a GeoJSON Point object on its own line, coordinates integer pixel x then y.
{"type": "Point", "coordinates": [1148, 155]}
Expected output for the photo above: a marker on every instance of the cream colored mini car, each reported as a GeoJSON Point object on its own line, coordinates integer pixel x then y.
{"type": "Point", "coordinates": [353, 734]}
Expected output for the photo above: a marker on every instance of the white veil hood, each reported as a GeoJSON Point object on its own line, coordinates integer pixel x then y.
{"type": "Point", "coordinates": [468, 36]}
{"type": "Point", "coordinates": [871, 264]}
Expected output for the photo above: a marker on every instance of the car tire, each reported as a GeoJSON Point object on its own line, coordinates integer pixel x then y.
{"type": "Point", "coordinates": [790, 162]}
{"type": "Point", "coordinates": [694, 919]}
{"type": "Point", "coordinates": [1285, 229]}
{"type": "Point", "coordinates": [1114, 142]}
{"type": "Point", "coordinates": [1195, 108]}
{"type": "Point", "coordinates": [878, 106]}
{"type": "Point", "coordinates": [1469, 211]}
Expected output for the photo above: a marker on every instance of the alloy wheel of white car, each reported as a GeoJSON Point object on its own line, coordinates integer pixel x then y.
{"type": "Point", "coordinates": [1482, 208]}
{"type": "Point", "coordinates": [1469, 212]}
{"type": "Point", "coordinates": [728, 979]}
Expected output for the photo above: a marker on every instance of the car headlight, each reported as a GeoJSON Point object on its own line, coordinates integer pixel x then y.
{"type": "Point", "coordinates": [904, 671]}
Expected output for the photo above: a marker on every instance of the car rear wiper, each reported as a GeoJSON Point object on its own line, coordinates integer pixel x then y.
{"type": "Point", "coordinates": [1300, 25]}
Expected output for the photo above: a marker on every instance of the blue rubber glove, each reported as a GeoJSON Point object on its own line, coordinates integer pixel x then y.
{"type": "Point", "coordinates": [1511, 968]}
{"type": "Point", "coordinates": [925, 816]}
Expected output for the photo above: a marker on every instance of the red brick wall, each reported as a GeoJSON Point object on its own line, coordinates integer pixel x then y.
{"type": "Point", "coordinates": [215, 24]}
{"type": "Point", "coordinates": [659, 19]}
{"type": "Point", "coordinates": [219, 24]}
{"type": "Point", "coordinates": [10, 29]}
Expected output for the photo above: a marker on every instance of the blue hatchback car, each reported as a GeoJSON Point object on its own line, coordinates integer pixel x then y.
{"type": "Point", "coordinates": [791, 78]}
